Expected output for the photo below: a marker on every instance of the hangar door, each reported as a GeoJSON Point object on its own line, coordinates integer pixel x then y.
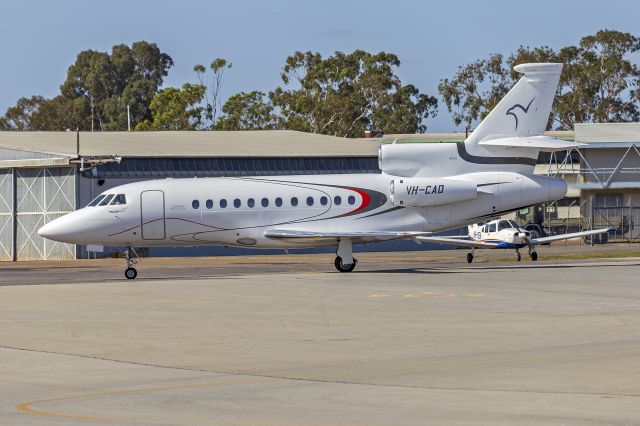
{"type": "Point", "coordinates": [42, 195]}
{"type": "Point", "coordinates": [6, 214]}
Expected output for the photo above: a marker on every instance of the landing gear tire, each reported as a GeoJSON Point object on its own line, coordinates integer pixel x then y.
{"type": "Point", "coordinates": [469, 257]}
{"type": "Point", "coordinates": [131, 257]}
{"type": "Point", "coordinates": [534, 256]}
{"type": "Point", "coordinates": [518, 257]}
{"type": "Point", "coordinates": [344, 267]}
{"type": "Point", "coordinates": [131, 273]}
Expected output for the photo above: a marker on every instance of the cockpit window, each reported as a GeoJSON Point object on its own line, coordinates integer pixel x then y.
{"type": "Point", "coordinates": [513, 224]}
{"type": "Point", "coordinates": [503, 224]}
{"type": "Point", "coordinates": [106, 200]}
{"type": "Point", "coordinates": [96, 200]}
{"type": "Point", "coordinates": [119, 200]}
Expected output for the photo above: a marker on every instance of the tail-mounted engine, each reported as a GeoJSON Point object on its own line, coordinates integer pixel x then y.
{"type": "Point", "coordinates": [426, 192]}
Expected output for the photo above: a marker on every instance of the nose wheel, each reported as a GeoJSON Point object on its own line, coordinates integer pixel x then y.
{"type": "Point", "coordinates": [132, 258]}
{"type": "Point", "coordinates": [131, 273]}
{"type": "Point", "coordinates": [518, 256]}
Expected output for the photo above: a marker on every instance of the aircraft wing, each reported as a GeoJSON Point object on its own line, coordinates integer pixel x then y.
{"type": "Point", "coordinates": [458, 242]}
{"type": "Point", "coordinates": [571, 235]}
{"type": "Point", "coordinates": [296, 235]}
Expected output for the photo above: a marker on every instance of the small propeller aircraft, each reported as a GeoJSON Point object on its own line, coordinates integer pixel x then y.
{"type": "Point", "coordinates": [504, 234]}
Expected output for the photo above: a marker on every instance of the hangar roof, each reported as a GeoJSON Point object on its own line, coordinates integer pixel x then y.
{"type": "Point", "coordinates": [249, 143]}
{"type": "Point", "coordinates": [608, 135]}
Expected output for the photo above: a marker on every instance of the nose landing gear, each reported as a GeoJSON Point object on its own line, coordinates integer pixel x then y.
{"type": "Point", "coordinates": [518, 256]}
{"type": "Point", "coordinates": [131, 257]}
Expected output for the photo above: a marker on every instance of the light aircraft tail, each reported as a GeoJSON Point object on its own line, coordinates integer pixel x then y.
{"type": "Point", "coordinates": [522, 113]}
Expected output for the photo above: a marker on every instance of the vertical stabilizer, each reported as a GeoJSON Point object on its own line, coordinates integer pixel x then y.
{"type": "Point", "coordinates": [525, 110]}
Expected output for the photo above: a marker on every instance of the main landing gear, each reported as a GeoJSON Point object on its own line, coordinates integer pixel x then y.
{"type": "Point", "coordinates": [470, 256]}
{"type": "Point", "coordinates": [534, 256]}
{"type": "Point", "coordinates": [131, 257]}
{"type": "Point", "coordinates": [344, 256]}
{"type": "Point", "coordinates": [345, 267]}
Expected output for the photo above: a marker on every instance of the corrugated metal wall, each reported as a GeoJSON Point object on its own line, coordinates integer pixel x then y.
{"type": "Point", "coordinates": [42, 195]}
{"type": "Point", "coordinates": [6, 214]}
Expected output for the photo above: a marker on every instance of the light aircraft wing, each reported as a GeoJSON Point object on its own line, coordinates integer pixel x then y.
{"type": "Point", "coordinates": [458, 242]}
{"type": "Point", "coordinates": [571, 235]}
{"type": "Point", "coordinates": [296, 235]}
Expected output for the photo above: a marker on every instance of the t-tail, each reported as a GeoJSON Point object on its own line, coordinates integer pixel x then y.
{"type": "Point", "coordinates": [515, 127]}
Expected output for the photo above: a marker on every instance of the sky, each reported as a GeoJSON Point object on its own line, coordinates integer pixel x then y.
{"type": "Point", "coordinates": [41, 38]}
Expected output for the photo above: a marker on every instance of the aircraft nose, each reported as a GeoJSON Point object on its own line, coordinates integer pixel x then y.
{"type": "Point", "coordinates": [47, 231]}
{"type": "Point", "coordinates": [62, 229]}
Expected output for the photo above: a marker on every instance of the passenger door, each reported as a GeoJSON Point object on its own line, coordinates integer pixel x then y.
{"type": "Point", "coordinates": [152, 215]}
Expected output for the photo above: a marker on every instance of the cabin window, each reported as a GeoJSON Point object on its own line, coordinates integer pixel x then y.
{"type": "Point", "coordinates": [195, 204]}
{"type": "Point", "coordinates": [323, 200]}
{"type": "Point", "coordinates": [209, 204]}
{"type": "Point", "coordinates": [251, 202]}
{"type": "Point", "coordinates": [96, 200]}
{"type": "Point", "coordinates": [491, 227]}
{"type": "Point", "coordinates": [309, 201]}
{"type": "Point", "coordinates": [294, 201]}
{"type": "Point", "coordinates": [237, 203]}
{"type": "Point", "coordinates": [223, 203]}
{"type": "Point", "coordinates": [337, 200]}
{"type": "Point", "coordinates": [119, 200]}
{"type": "Point", "coordinates": [106, 200]}
{"type": "Point", "coordinates": [265, 202]}
{"type": "Point", "coordinates": [278, 202]}
{"type": "Point", "coordinates": [352, 199]}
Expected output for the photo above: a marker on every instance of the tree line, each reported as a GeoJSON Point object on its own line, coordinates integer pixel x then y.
{"type": "Point", "coordinates": [343, 94]}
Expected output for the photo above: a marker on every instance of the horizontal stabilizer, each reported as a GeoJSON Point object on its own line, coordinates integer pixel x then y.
{"type": "Point", "coordinates": [541, 143]}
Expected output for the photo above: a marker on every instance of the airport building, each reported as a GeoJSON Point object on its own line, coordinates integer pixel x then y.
{"type": "Point", "coordinates": [44, 175]}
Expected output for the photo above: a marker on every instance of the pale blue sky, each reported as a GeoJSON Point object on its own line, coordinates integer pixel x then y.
{"type": "Point", "coordinates": [40, 38]}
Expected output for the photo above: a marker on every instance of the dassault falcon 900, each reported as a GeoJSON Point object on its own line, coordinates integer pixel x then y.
{"type": "Point", "coordinates": [423, 188]}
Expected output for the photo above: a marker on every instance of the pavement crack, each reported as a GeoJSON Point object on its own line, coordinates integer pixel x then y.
{"type": "Point", "coordinates": [309, 380]}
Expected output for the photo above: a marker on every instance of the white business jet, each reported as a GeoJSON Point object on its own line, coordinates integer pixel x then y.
{"type": "Point", "coordinates": [423, 188]}
{"type": "Point", "coordinates": [504, 234]}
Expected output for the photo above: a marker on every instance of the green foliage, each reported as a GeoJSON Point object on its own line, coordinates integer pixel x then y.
{"type": "Point", "coordinates": [247, 111]}
{"type": "Point", "coordinates": [213, 85]}
{"type": "Point", "coordinates": [345, 94]}
{"type": "Point", "coordinates": [129, 76]}
{"type": "Point", "coordinates": [598, 84]}
{"type": "Point", "coordinates": [475, 89]}
{"type": "Point", "coordinates": [176, 109]}
{"type": "Point", "coordinates": [96, 92]}
{"type": "Point", "coordinates": [19, 117]}
{"type": "Point", "coordinates": [38, 113]}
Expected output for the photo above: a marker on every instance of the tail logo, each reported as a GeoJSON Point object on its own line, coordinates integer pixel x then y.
{"type": "Point", "coordinates": [511, 112]}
